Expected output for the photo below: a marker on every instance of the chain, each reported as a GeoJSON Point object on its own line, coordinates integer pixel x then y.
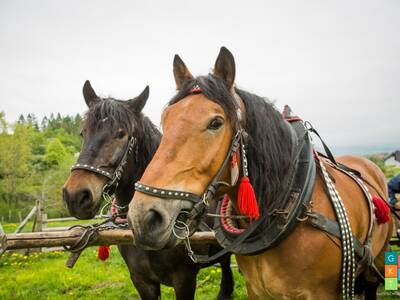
{"type": "Point", "coordinates": [185, 237]}
{"type": "Point", "coordinates": [227, 216]}
{"type": "Point", "coordinates": [89, 231]}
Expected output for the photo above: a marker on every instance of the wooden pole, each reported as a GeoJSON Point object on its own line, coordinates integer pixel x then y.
{"type": "Point", "coordinates": [2, 240]}
{"type": "Point", "coordinates": [26, 220]}
{"type": "Point", "coordinates": [44, 222]}
{"type": "Point", "coordinates": [39, 216]}
{"type": "Point", "coordinates": [3, 243]}
{"type": "Point", "coordinates": [70, 237]}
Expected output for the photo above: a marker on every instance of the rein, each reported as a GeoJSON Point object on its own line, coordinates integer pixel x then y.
{"type": "Point", "coordinates": [117, 220]}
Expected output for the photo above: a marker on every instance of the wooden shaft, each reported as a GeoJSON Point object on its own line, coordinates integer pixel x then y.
{"type": "Point", "coordinates": [70, 237]}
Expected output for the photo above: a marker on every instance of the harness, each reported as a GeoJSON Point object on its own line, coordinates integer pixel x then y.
{"type": "Point", "coordinates": [281, 218]}
{"type": "Point", "coordinates": [293, 205]}
{"type": "Point", "coordinates": [113, 178]}
{"type": "Point", "coordinates": [200, 201]}
{"type": "Point", "coordinates": [114, 221]}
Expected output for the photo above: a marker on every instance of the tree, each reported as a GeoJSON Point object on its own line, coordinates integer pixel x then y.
{"type": "Point", "coordinates": [55, 153]}
{"type": "Point", "coordinates": [44, 123]}
{"type": "Point", "coordinates": [21, 119]}
{"type": "Point", "coordinates": [15, 154]}
{"type": "Point", "coordinates": [388, 170]}
{"type": "Point", "coordinates": [3, 123]}
{"type": "Point", "coordinates": [35, 161]}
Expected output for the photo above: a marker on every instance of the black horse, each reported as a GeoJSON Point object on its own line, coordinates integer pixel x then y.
{"type": "Point", "coordinates": [118, 143]}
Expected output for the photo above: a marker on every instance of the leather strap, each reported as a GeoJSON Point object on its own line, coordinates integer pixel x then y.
{"type": "Point", "coordinates": [326, 148]}
{"type": "Point", "coordinates": [183, 195]}
{"type": "Point", "coordinates": [166, 194]}
{"type": "Point", "coordinates": [323, 223]}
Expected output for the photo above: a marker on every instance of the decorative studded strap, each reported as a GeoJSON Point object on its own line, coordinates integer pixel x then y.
{"type": "Point", "coordinates": [113, 177]}
{"type": "Point", "coordinates": [166, 194]}
{"type": "Point", "coordinates": [200, 200]}
{"type": "Point", "coordinates": [92, 169]}
{"type": "Point", "coordinates": [348, 257]}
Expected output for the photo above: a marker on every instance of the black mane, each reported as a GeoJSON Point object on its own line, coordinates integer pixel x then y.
{"type": "Point", "coordinates": [116, 112]}
{"type": "Point", "coordinates": [214, 89]}
{"type": "Point", "coordinates": [270, 143]}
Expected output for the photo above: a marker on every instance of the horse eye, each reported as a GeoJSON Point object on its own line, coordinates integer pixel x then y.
{"type": "Point", "coordinates": [215, 123]}
{"type": "Point", "coordinates": [120, 134]}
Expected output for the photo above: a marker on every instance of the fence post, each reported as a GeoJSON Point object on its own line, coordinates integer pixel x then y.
{"type": "Point", "coordinates": [37, 224]}
{"type": "Point", "coordinates": [3, 240]}
{"type": "Point", "coordinates": [39, 219]}
{"type": "Point", "coordinates": [26, 220]}
{"type": "Point", "coordinates": [44, 222]}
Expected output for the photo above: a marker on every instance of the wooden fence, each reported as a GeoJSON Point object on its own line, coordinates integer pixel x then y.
{"type": "Point", "coordinates": [48, 238]}
{"type": "Point", "coordinates": [40, 225]}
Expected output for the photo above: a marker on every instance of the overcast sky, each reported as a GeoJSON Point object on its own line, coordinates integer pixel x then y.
{"type": "Point", "coordinates": [336, 63]}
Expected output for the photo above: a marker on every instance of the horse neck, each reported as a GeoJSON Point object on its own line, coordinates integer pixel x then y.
{"type": "Point", "coordinates": [270, 149]}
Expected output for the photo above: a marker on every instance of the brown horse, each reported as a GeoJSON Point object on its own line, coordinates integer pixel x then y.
{"type": "Point", "coordinates": [109, 126]}
{"type": "Point", "coordinates": [199, 125]}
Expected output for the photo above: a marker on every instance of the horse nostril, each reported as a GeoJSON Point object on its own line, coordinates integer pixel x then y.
{"type": "Point", "coordinates": [153, 220]}
{"type": "Point", "coordinates": [84, 197]}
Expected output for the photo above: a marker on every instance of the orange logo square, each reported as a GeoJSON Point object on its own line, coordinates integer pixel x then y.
{"type": "Point", "coordinates": [390, 271]}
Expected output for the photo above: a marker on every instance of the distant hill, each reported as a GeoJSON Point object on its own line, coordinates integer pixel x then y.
{"type": "Point", "coordinates": [364, 149]}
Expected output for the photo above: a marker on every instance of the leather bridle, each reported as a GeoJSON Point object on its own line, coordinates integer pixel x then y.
{"type": "Point", "coordinates": [113, 178]}
{"type": "Point", "coordinates": [200, 201]}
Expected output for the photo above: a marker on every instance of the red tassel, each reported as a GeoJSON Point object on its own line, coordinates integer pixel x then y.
{"type": "Point", "coordinates": [382, 210]}
{"type": "Point", "coordinates": [247, 202]}
{"type": "Point", "coordinates": [103, 252]}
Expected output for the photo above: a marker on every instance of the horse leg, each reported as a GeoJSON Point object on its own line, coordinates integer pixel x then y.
{"type": "Point", "coordinates": [227, 283]}
{"type": "Point", "coordinates": [372, 279]}
{"type": "Point", "coordinates": [370, 291]}
{"type": "Point", "coordinates": [147, 290]}
{"type": "Point", "coordinates": [185, 284]}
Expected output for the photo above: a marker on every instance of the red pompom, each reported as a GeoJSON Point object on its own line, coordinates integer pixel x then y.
{"type": "Point", "coordinates": [103, 252]}
{"type": "Point", "coordinates": [382, 210]}
{"type": "Point", "coordinates": [247, 202]}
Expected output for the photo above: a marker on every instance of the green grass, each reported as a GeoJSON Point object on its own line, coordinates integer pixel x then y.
{"type": "Point", "coordinates": [44, 276]}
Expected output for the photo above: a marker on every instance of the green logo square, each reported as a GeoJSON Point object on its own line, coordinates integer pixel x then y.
{"type": "Point", "coordinates": [391, 284]}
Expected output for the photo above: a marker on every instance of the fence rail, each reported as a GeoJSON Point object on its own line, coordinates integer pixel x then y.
{"type": "Point", "coordinates": [15, 241]}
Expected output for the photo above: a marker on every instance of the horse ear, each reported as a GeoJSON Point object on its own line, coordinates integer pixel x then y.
{"type": "Point", "coordinates": [137, 104]}
{"type": "Point", "coordinates": [181, 72]}
{"type": "Point", "coordinates": [89, 94]}
{"type": "Point", "coordinates": [224, 67]}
